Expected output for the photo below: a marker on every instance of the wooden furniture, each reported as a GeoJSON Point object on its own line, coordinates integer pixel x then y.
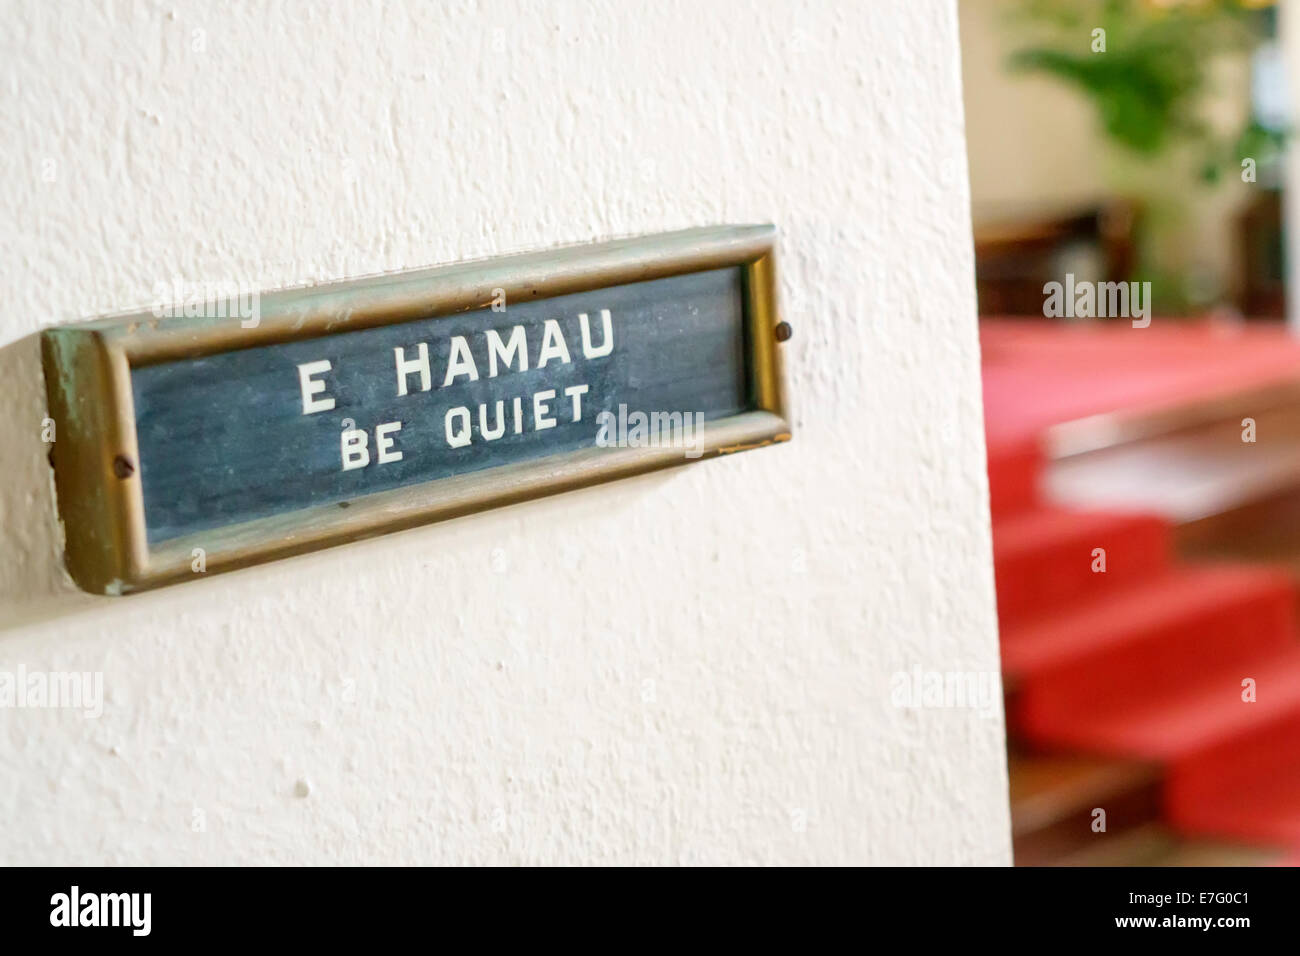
{"type": "Point", "coordinates": [1018, 251]}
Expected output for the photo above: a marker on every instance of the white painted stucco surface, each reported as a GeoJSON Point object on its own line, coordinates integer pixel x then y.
{"type": "Point", "coordinates": [688, 667]}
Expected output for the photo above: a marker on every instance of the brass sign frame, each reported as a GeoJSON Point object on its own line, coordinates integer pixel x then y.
{"type": "Point", "coordinates": [96, 461]}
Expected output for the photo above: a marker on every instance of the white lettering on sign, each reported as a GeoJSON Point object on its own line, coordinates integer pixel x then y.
{"type": "Point", "coordinates": [494, 418]}
{"type": "Point", "coordinates": [312, 387]}
{"type": "Point", "coordinates": [355, 453]}
{"type": "Point", "coordinates": [576, 392]}
{"type": "Point", "coordinates": [607, 340]}
{"type": "Point", "coordinates": [460, 362]}
{"type": "Point", "coordinates": [407, 367]}
{"type": "Point", "coordinates": [384, 444]}
{"type": "Point", "coordinates": [541, 408]}
{"type": "Point", "coordinates": [457, 422]}
{"type": "Point", "coordinates": [553, 346]}
{"type": "Point", "coordinates": [354, 446]}
{"type": "Point", "coordinates": [507, 351]}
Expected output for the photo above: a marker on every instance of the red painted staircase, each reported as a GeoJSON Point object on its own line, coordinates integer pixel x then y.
{"type": "Point", "coordinates": [1149, 659]}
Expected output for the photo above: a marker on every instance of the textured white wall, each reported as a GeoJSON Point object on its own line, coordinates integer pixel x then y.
{"type": "Point", "coordinates": [692, 666]}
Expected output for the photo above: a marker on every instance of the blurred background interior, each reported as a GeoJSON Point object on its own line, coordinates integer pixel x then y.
{"type": "Point", "coordinates": [1145, 479]}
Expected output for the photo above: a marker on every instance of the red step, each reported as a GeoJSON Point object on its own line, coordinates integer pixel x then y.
{"type": "Point", "coordinates": [1169, 722]}
{"type": "Point", "coordinates": [1247, 787]}
{"type": "Point", "coordinates": [1177, 601]}
{"type": "Point", "coordinates": [1146, 661]}
{"type": "Point", "coordinates": [1013, 477]}
{"type": "Point", "coordinates": [1043, 558]}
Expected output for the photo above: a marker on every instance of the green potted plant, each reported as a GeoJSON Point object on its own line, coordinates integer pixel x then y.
{"type": "Point", "coordinates": [1148, 69]}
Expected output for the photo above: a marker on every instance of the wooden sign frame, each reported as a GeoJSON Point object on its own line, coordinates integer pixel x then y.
{"type": "Point", "coordinates": [88, 368]}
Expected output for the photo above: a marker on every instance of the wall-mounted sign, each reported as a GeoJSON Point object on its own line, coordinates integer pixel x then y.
{"type": "Point", "coordinates": [201, 442]}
